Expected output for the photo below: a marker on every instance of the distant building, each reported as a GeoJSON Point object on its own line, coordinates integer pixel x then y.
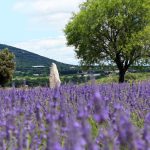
{"type": "Point", "coordinates": [40, 66]}
{"type": "Point", "coordinates": [36, 75]}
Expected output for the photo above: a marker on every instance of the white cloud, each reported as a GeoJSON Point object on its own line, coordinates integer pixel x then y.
{"type": "Point", "coordinates": [49, 16]}
{"type": "Point", "coordinates": [47, 6]}
{"type": "Point", "coordinates": [53, 48]}
{"type": "Point", "coordinates": [48, 12]}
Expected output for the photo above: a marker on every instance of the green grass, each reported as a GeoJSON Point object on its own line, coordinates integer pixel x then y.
{"type": "Point", "coordinates": [136, 120]}
{"type": "Point", "coordinates": [129, 77]}
{"type": "Point", "coordinates": [44, 80]}
{"type": "Point", "coordinates": [94, 126]}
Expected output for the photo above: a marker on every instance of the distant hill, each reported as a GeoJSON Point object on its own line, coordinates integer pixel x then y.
{"type": "Point", "coordinates": [26, 61]}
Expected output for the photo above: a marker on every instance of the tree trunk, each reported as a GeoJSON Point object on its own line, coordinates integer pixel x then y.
{"type": "Point", "coordinates": [121, 76]}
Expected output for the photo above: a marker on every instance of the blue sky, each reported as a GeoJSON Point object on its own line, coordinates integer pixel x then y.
{"type": "Point", "coordinates": [37, 26]}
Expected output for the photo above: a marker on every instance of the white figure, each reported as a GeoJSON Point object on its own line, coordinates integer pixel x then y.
{"type": "Point", "coordinates": [54, 79]}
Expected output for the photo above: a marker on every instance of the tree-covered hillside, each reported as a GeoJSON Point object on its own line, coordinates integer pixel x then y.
{"type": "Point", "coordinates": [30, 63]}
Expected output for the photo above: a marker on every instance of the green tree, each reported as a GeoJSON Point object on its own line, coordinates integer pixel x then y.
{"type": "Point", "coordinates": [116, 31]}
{"type": "Point", "coordinates": [7, 66]}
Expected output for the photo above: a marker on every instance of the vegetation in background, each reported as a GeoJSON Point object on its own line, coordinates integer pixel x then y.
{"type": "Point", "coordinates": [129, 77]}
{"type": "Point", "coordinates": [116, 31]}
{"type": "Point", "coordinates": [7, 66]}
{"type": "Point", "coordinates": [43, 81]}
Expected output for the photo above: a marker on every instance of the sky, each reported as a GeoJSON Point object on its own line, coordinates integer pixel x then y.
{"type": "Point", "coordinates": [37, 26]}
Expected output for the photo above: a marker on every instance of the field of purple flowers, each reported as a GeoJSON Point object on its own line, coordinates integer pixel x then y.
{"type": "Point", "coordinates": [73, 117]}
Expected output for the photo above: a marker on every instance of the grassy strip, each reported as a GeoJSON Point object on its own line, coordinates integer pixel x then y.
{"type": "Point", "coordinates": [129, 77]}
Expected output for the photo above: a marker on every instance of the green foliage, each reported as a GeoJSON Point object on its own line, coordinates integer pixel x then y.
{"type": "Point", "coordinates": [7, 66]}
{"type": "Point", "coordinates": [143, 76]}
{"type": "Point", "coordinates": [94, 126]}
{"type": "Point", "coordinates": [33, 81]}
{"type": "Point", "coordinates": [129, 77]}
{"type": "Point", "coordinates": [116, 31]}
{"type": "Point", "coordinates": [30, 81]}
{"type": "Point", "coordinates": [136, 120]}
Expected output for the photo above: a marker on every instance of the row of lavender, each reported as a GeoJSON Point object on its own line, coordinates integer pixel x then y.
{"type": "Point", "coordinates": [73, 117]}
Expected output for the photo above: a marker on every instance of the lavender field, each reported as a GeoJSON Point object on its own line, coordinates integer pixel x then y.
{"type": "Point", "coordinates": [88, 117]}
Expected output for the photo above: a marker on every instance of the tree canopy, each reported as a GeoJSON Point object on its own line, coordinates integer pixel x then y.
{"type": "Point", "coordinates": [117, 31]}
{"type": "Point", "coordinates": [7, 66]}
